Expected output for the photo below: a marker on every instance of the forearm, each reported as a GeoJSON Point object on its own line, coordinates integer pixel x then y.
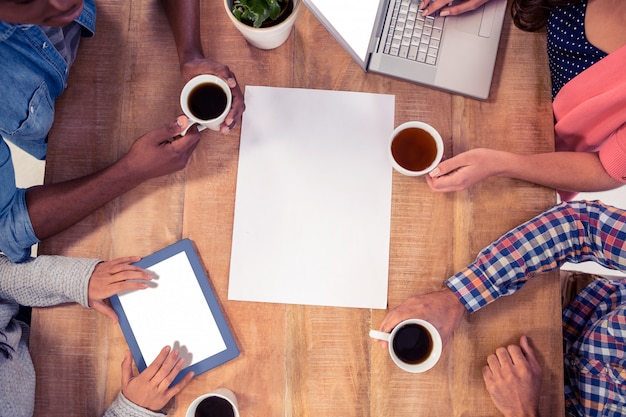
{"type": "Point", "coordinates": [46, 280]}
{"type": "Point", "coordinates": [55, 207]}
{"type": "Point", "coordinates": [123, 407]}
{"type": "Point", "coordinates": [568, 171]}
{"type": "Point", "coordinates": [184, 20]}
{"type": "Point", "coordinates": [568, 232]}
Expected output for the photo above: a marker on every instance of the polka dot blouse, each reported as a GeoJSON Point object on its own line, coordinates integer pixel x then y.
{"type": "Point", "coordinates": [569, 51]}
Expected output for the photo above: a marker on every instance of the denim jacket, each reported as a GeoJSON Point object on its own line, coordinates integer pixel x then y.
{"type": "Point", "coordinates": [32, 75]}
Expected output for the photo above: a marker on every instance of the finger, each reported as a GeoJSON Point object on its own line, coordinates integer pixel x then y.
{"type": "Point", "coordinates": [461, 7]}
{"type": "Point", "coordinates": [156, 364]}
{"type": "Point", "coordinates": [176, 389]}
{"type": "Point", "coordinates": [125, 260]}
{"type": "Point", "coordinates": [122, 286]}
{"type": "Point", "coordinates": [487, 373]}
{"type": "Point", "coordinates": [186, 144]}
{"type": "Point", "coordinates": [176, 127]}
{"type": "Point", "coordinates": [130, 275]}
{"type": "Point", "coordinates": [493, 363]}
{"type": "Point", "coordinates": [102, 308]}
{"type": "Point", "coordinates": [237, 108]}
{"type": "Point", "coordinates": [446, 167]}
{"type": "Point", "coordinates": [389, 322]}
{"type": "Point", "coordinates": [516, 355]}
{"type": "Point", "coordinates": [529, 353]}
{"type": "Point", "coordinates": [424, 4]}
{"type": "Point", "coordinates": [173, 372]}
{"type": "Point", "coordinates": [433, 6]}
{"type": "Point", "coordinates": [127, 369]}
{"type": "Point", "coordinates": [120, 268]}
{"type": "Point", "coordinates": [166, 367]}
{"type": "Point", "coordinates": [504, 357]}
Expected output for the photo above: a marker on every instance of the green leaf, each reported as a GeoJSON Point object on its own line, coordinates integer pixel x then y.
{"type": "Point", "coordinates": [256, 11]}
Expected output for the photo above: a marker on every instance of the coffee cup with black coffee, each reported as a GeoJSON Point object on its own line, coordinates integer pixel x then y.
{"type": "Point", "coordinates": [414, 345]}
{"type": "Point", "coordinates": [206, 101]}
{"type": "Point", "coordinates": [219, 403]}
{"type": "Point", "coordinates": [415, 148]}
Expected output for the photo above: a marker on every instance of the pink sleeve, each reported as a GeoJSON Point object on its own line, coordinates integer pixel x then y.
{"type": "Point", "coordinates": [613, 155]}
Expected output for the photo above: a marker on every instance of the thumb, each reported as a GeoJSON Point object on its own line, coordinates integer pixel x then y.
{"type": "Point", "coordinates": [445, 167]}
{"type": "Point", "coordinates": [178, 126]}
{"type": "Point", "coordinates": [528, 351]}
{"type": "Point", "coordinates": [101, 307]}
{"type": "Point", "coordinates": [127, 369]}
{"type": "Point", "coordinates": [170, 130]}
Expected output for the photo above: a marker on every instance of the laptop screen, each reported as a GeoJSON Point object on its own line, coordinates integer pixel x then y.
{"type": "Point", "coordinates": [350, 21]}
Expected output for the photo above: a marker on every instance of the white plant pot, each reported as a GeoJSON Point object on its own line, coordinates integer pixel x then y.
{"type": "Point", "coordinates": [265, 38]}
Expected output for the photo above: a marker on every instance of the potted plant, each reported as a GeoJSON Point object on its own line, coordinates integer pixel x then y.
{"type": "Point", "coordinates": [265, 24]}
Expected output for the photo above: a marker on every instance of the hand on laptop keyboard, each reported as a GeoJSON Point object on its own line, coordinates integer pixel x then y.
{"type": "Point", "coordinates": [448, 8]}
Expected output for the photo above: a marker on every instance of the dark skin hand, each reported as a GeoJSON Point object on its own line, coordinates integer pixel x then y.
{"type": "Point", "coordinates": [55, 207]}
{"type": "Point", "coordinates": [184, 19]}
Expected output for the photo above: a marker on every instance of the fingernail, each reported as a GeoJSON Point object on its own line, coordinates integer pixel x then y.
{"type": "Point", "coordinates": [181, 120]}
{"type": "Point", "coordinates": [232, 82]}
{"type": "Point", "coordinates": [444, 13]}
{"type": "Point", "coordinates": [435, 173]}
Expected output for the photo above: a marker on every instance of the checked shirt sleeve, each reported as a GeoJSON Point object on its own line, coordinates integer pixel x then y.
{"type": "Point", "coordinates": [570, 232]}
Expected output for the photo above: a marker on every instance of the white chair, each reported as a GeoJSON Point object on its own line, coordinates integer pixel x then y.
{"type": "Point", "coordinates": [616, 198]}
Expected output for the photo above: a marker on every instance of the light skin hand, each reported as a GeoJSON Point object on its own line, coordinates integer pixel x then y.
{"type": "Point", "coordinates": [113, 277]}
{"type": "Point", "coordinates": [199, 66]}
{"type": "Point", "coordinates": [573, 171]}
{"type": "Point", "coordinates": [441, 308]}
{"type": "Point", "coordinates": [464, 170]}
{"type": "Point", "coordinates": [513, 378]}
{"type": "Point", "coordinates": [431, 6]}
{"type": "Point", "coordinates": [151, 388]}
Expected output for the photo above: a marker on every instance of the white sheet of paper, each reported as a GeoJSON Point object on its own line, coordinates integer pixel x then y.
{"type": "Point", "coordinates": [173, 313]}
{"type": "Point", "coordinates": [313, 200]}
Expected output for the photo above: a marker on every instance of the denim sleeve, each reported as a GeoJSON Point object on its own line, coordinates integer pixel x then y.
{"type": "Point", "coordinates": [16, 231]}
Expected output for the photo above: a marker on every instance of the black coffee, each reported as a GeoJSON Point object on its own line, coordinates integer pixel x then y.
{"type": "Point", "coordinates": [215, 407]}
{"type": "Point", "coordinates": [412, 344]}
{"type": "Point", "coordinates": [207, 101]}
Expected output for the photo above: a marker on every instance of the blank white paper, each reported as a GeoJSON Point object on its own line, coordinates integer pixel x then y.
{"type": "Point", "coordinates": [313, 199]}
{"type": "Point", "coordinates": [173, 313]}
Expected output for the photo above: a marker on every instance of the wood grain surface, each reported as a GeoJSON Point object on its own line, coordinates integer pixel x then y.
{"type": "Point", "coordinates": [296, 361]}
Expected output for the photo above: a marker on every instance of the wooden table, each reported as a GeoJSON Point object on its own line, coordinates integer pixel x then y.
{"type": "Point", "coordinates": [296, 361]}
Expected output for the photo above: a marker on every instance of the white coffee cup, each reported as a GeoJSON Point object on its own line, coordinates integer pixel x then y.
{"type": "Point", "coordinates": [414, 345]}
{"type": "Point", "coordinates": [223, 393]}
{"type": "Point", "coordinates": [206, 101]}
{"type": "Point", "coordinates": [415, 148]}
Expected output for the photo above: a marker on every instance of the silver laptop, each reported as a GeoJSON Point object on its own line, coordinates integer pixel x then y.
{"type": "Point", "coordinates": [455, 53]}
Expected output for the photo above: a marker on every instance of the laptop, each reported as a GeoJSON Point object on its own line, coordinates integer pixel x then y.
{"type": "Point", "coordinates": [390, 37]}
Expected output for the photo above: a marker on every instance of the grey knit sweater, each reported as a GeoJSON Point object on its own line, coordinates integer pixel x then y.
{"type": "Point", "coordinates": [39, 282]}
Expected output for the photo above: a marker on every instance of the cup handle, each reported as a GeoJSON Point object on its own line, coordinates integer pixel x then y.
{"type": "Point", "coordinates": [375, 334]}
{"type": "Point", "coordinates": [191, 123]}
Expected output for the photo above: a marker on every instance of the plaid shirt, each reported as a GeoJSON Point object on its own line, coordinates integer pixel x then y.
{"type": "Point", "coordinates": [594, 323]}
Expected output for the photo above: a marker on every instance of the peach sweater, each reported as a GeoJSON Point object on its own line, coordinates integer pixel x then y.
{"type": "Point", "coordinates": [590, 115]}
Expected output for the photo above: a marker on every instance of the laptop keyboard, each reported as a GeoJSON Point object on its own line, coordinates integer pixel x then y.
{"type": "Point", "coordinates": [412, 36]}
